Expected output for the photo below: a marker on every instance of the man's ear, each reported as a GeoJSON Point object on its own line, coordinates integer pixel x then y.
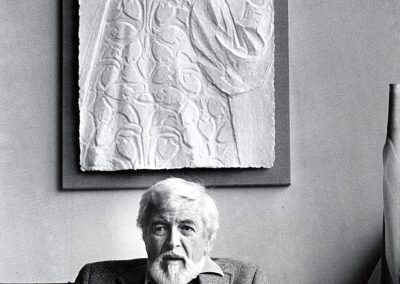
{"type": "Point", "coordinates": [145, 240]}
{"type": "Point", "coordinates": [145, 235]}
{"type": "Point", "coordinates": [207, 246]}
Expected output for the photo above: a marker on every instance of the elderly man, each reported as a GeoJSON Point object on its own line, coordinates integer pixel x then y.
{"type": "Point", "coordinates": [179, 221]}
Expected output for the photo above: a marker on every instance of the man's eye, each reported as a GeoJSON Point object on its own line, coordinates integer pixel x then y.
{"type": "Point", "coordinates": [187, 228]}
{"type": "Point", "coordinates": [159, 229]}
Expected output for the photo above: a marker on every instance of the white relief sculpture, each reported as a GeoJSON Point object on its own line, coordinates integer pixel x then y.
{"type": "Point", "coordinates": [176, 83]}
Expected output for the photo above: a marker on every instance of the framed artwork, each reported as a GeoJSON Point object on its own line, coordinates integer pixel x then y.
{"type": "Point", "coordinates": [188, 88]}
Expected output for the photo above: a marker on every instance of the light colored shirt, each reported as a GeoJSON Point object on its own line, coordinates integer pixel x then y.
{"type": "Point", "coordinates": [209, 266]}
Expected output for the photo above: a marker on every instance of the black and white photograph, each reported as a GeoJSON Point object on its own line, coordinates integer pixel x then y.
{"type": "Point", "coordinates": [199, 141]}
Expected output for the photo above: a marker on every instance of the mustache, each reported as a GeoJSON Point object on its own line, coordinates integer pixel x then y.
{"type": "Point", "coordinates": [172, 256]}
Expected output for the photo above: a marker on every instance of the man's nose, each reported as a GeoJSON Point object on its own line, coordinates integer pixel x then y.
{"type": "Point", "coordinates": [174, 238]}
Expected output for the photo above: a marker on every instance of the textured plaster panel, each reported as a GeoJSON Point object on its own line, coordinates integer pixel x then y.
{"type": "Point", "coordinates": [175, 84]}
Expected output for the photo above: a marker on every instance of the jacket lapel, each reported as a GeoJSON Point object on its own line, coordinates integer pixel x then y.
{"type": "Point", "coordinates": [214, 278]}
{"type": "Point", "coordinates": [133, 276]}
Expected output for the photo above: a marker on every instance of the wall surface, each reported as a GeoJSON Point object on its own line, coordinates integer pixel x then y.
{"type": "Point", "coordinates": [324, 228]}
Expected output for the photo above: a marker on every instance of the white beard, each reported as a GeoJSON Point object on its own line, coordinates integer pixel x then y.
{"type": "Point", "coordinates": [181, 273]}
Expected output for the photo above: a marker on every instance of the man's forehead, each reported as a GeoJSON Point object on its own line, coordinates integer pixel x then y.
{"type": "Point", "coordinates": [186, 214]}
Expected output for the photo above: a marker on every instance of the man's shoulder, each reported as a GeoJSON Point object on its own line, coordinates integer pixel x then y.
{"type": "Point", "coordinates": [223, 261]}
{"type": "Point", "coordinates": [241, 271]}
{"type": "Point", "coordinates": [104, 271]}
{"type": "Point", "coordinates": [119, 264]}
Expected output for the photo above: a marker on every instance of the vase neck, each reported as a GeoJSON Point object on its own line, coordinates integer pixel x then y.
{"type": "Point", "coordinates": [393, 127]}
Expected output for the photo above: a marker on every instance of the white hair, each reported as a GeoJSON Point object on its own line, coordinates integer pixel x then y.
{"type": "Point", "coordinates": [173, 192]}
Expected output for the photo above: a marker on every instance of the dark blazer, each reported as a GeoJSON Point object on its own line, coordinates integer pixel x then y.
{"type": "Point", "coordinates": [134, 271]}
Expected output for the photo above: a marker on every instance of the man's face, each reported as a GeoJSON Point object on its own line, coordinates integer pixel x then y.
{"type": "Point", "coordinates": [175, 242]}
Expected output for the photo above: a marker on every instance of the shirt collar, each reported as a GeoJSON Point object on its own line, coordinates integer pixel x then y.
{"type": "Point", "coordinates": [209, 266]}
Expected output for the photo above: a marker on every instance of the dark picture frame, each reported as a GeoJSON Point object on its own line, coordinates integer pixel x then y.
{"type": "Point", "coordinates": [75, 179]}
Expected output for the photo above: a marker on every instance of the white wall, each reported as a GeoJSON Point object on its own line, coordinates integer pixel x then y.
{"type": "Point", "coordinates": [325, 228]}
